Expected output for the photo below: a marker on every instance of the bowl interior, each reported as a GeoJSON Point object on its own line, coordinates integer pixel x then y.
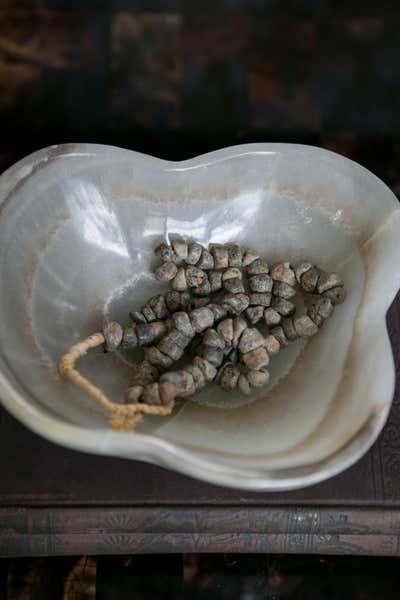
{"type": "Point", "coordinates": [78, 237]}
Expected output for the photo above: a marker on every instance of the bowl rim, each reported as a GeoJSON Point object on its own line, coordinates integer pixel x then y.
{"type": "Point", "coordinates": [157, 450]}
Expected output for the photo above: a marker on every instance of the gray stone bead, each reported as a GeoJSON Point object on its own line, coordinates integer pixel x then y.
{"type": "Point", "coordinates": [219, 311]}
{"type": "Point", "coordinates": [179, 283]}
{"type": "Point", "coordinates": [148, 313]}
{"type": "Point", "coordinates": [300, 269]}
{"type": "Point", "coordinates": [220, 254]}
{"type": "Point", "coordinates": [194, 276]}
{"type": "Point", "coordinates": [272, 344]}
{"type": "Point", "coordinates": [320, 310]}
{"type": "Point", "coordinates": [260, 283]}
{"type": "Point", "coordinates": [180, 248]}
{"type": "Point", "coordinates": [231, 273]}
{"type": "Point", "coordinates": [254, 314]}
{"type": "Point", "coordinates": [208, 370]}
{"type": "Point", "coordinates": [256, 359]}
{"type": "Point", "coordinates": [129, 337]}
{"type": "Point", "coordinates": [215, 278]}
{"type": "Point", "coordinates": [169, 347]}
{"type": "Point", "coordinates": [249, 257]}
{"type": "Point", "coordinates": [194, 253]}
{"type": "Point", "coordinates": [206, 261]}
{"type": "Point", "coordinates": [158, 358]}
{"type": "Point", "coordinates": [133, 394]}
{"type": "Point", "coordinates": [113, 334]}
{"type": "Point", "coordinates": [260, 299]}
{"type": "Point", "coordinates": [183, 324]}
{"type": "Point", "coordinates": [225, 330]}
{"type": "Point", "coordinates": [234, 255]}
{"type": "Point", "coordinates": [165, 253]}
{"type": "Point", "coordinates": [283, 272]}
{"type": "Point", "coordinates": [283, 290]}
{"type": "Point", "coordinates": [215, 356]}
{"type": "Point", "coordinates": [250, 339]}
{"type": "Point", "coordinates": [144, 373]}
{"type": "Point", "coordinates": [166, 272]}
{"type": "Point", "coordinates": [272, 317]}
{"type": "Point", "coordinates": [239, 325]}
{"type": "Point", "coordinates": [283, 307]}
{"type": "Point", "coordinates": [213, 339]}
{"type": "Point", "coordinates": [137, 317]}
{"type": "Point", "coordinates": [173, 301]}
{"type": "Point", "coordinates": [258, 267]}
{"type": "Point", "coordinates": [305, 326]}
{"type": "Point", "coordinates": [198, 376]}
{"type": "Point", "coordinates": [159, 306]}
{"type": "Point", "coordinates": [234, 286]}
{"type": "Point", "coordinates": [236, 303]}
{"type": "Point", "coordinates": [309, 280]}
{"type": "Point", "coordinates": [258, 378]}
{"type": "Point", "coordinates": [204, 289]}
{"type": "Point", "coordinates": [289, 329]}
{"type": "Point", "coordinates": [244, 385]}
{"type": "Point", "coordinates": [327, 281]}
{"type": "Point", "coordinates": [182, 380]}
{"type": "Point", "coordinates": [201, 318]}
{"type": "Point", "coordinates": [336, 295]}
{"type": "Point", "coordinates": [151, 394]}
{"type": "Point", "coordinates": [228, 377]}
{"type": "Point", "coordinates": [280, 335]}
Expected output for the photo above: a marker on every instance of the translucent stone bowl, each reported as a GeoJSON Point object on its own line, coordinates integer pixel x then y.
{"type": "Point", "coordinates": [78, 224]}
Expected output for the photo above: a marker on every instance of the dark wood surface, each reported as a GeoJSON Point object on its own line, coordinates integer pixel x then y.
{"type": "Point", "coordinates": [57, 501]}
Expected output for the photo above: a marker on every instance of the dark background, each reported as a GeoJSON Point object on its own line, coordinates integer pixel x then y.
{"type": "Point", "coordinates": [178, 78]}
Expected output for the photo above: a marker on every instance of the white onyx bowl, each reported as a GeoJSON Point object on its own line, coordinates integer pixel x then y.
{"type": "Point", "coordinates": [77, 226]}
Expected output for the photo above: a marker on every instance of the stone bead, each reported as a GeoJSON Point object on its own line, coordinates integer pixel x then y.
{"type": "Point", "coordinates": [169, 347]}
{"type": "Point", "coordinates": [280, 335]}
{"type": "Point", "coordinates": [208, 370]}
{"type": "Point", "coordinates": [173, 301]}
{"type": "Point", "coordinates": [179, 283]}
{"type": "Point", "coordinates": [166, 272]}
{"type": "Point", "coordinates": [244, 385]}
{"type": "Point", "coordinates": [167, 391]}
{"type": "Point", "coordinates": [228, 377]}
{"type": "Point", "coordinates": [283, 290]}
{"type": "Point", "coordinates": [165, 253]}
{"type": "Point", "coordinates": [159, 306]}
{"type": "Point", "coordinates": [215, 356]}
{"type": "Point", "coordinates": [260, 299]}
{"type": "Point", "coordinates": [129, 337]}
{"type": "Point", "coordinates": [309, 280]}
{"type": "Point", "coordinates": [250, 339]}
{"type": "Point", "coordinates": [137, 317]}
{"type": "Point", "coordinates": [151, 394]}
{"type": "Point", "coordinates": [113, 334]}
{"type": "Point", "coordinates": [206, 261]}
{"type": "Point", "coordinates": [260, 283]}
{"type": "Point", "coordinates": [256, 359]}
{"type": "Point", "coordinates": [198, 376]}
{"type": "Point", "coordinates": [283, 307]}
{"type": "Point", "coordinates": [200, 301]}
{"type": "Point", "coordinates": [144, 373]}
{"type": "Point", "coordinates": [327, 281]}
{"type": "Point", "coordinates": [204, 289]}
{"type": "Point", "coordinates": [194, 253]}
{"type": "Point", "coordinates": [213, 339]}
{"type": "Point", "coordinates": [272, 317]}
{"type": "Point", "coordinates": [148, 313]}
{"type": "Point", "coordinates": [182, 323]}
{"type": "Point", "coordinates": [179, 338]}
{"type": "Point", "coordinates": [236, 303]}
{"type": "Point", "coordinates": [219, 311]}
{"type": "Point", "coordinates": [194, 276]}
{"type": "Point", "coordinates": [215, 278]}
{"type": "Point", "coordinates": [182, 380]}
{"type": "Point", "coordinates": [257, 378]}
{"type": "Point", "coordinates": [231, 273]}
{"type": "Point", "coordinates": [233, 355]}
{"type": "Point", "coordinates": [147, 333]}
{"type": "Point", "coordinates": [225, 330]}
{"type": "Point", "coordinates": [301, 269]}
{"type": "Point", "coordinates": [249, 257]}
{"type": "Point", "coordinates": [180, 248]}
{"type": "Point", "coordinates": [283, 272]}
{"type": "Point", "coordinates": [239, 325]}
{"type": "Point", "coordinates": [336, 295]}
{"type": "Point", "coordinates": [305, 326]}
{"type": "Point", "coordinates": [201, 318]}
{"type": "Point", "coordinates": [234, 255]}
{"type": "Point", "coordinates": [320, 310]}
{"type": "Point", "coordinates": [258, 267]}
{"type": "Point", "coordinates": [272, 344]}
{"type": "Point", "coordinates": [133, 394]}
{"type": "Point", "coordinates": [289, 329]}
{"type": "Point", "coordinates": [220, 254]}
{"type": "Point", "coordinates": [158, 358]}
{"type": "Point", "coordinates": [254, 314]}
{"type": "Point", "coordinates": [234, 285]}
{"type": "Point", "coordinates": [185, 300]}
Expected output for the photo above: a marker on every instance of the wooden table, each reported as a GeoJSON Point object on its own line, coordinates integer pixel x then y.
{"type": "Point", "coordinates": [55, 501]}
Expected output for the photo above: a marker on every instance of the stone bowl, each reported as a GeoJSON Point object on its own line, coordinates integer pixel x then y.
{"type": "Point", "coordinates": [78, 224]}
